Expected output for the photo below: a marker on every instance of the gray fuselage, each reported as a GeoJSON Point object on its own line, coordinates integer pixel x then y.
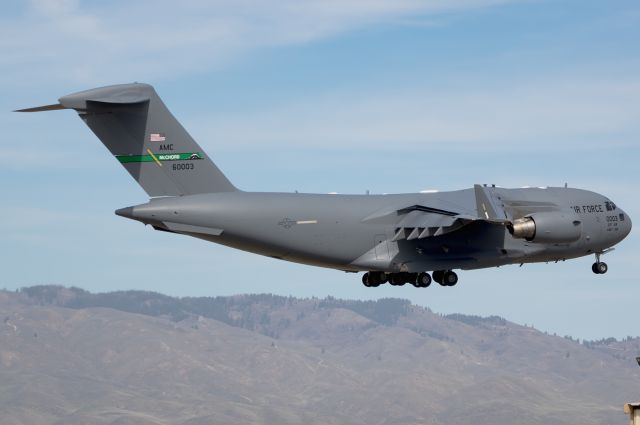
{"type": "Point", "coordinates": [356, 232]}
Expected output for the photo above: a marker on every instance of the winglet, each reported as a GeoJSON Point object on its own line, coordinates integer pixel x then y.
{"type": "Point", "coordinates": [54, 107]}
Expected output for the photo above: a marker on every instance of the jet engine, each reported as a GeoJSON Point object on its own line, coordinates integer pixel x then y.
{"type": "Point", "coordinates": [547, 227]}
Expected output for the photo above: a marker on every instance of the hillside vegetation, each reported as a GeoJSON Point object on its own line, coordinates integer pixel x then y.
{"type": "Point", "coordinates": [68, 356]}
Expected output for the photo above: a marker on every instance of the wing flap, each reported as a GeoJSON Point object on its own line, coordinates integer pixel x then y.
{"type": "Point", "coordinates": [429, 225]}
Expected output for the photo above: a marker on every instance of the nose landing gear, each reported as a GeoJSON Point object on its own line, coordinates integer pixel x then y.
{"type": "Point", "coordinates": [599, 267]}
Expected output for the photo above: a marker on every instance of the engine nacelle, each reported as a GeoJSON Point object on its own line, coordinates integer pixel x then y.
{"type": "Point", "coordinates": [547, 227]}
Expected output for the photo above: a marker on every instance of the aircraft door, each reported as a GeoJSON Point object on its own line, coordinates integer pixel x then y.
{"type": "Point", "coordinates": [381, 247]}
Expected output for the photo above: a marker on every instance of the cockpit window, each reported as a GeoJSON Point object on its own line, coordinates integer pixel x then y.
{"type": "Point", "coordinates": [610, 206]}
{"type": "Point", "coordinates": [621, 217]}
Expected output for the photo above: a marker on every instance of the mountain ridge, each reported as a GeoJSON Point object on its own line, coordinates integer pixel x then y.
{"type": "Point", "coordinates": [272, 359]}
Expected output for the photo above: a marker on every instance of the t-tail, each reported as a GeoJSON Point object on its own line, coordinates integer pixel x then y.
{"type": "Point", "coordinates": [134, 124]}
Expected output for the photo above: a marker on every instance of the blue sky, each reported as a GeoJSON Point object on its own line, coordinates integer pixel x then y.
{"type": "Point", "coordinates": [345, 96]}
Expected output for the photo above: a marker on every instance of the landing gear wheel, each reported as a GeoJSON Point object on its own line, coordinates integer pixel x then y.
{"type": "Point", "coordinates": [397, 279]}
{"type": "Point", "coordinates": [423, 280]}
{"type": "Point", "coordinates": [449, 278]}
{"type": "Point", "coordinates": [602, 268]}
{"type": "Point", "coordinates": [438, 275]}
{"type": "Point", "coordinates": [599, 268]}
{"type": "Point", "coordinates": [374, 279]}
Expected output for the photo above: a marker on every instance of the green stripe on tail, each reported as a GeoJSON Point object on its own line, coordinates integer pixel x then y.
{"type": "Point", "coordinates": [125, 159]}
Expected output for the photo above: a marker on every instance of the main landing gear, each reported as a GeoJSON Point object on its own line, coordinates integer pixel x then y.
{"type": "Point", "coordinates": [445, 277]}
{"type": "Point", "coordinates": [599, 267]}
{"type": "Point", "coordinates": [419, 280]}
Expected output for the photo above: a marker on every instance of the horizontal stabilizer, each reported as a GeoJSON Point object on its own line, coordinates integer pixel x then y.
{"type": "Point", "coordinates": [122, 94]}
{"type": "Point", "coordinates": [54, 107]}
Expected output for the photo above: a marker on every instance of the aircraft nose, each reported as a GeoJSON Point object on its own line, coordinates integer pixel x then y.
{"type": "Point", "coordinates": [625, 220]}
{"type": "Point", "coordinates": [125, 212]}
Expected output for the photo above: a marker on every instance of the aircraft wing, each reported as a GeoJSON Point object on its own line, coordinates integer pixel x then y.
{"type": "Point", "coordinates": [421, 221]}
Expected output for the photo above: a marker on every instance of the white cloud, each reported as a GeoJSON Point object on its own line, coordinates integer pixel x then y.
{"type": "Point", "coordinates": [94, 42]}
{"type": "Point", "coordinates": [557, 113]}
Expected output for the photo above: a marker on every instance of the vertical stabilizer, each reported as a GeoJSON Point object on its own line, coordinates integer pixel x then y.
{"type": "Point", "coordinates": [138, 129]}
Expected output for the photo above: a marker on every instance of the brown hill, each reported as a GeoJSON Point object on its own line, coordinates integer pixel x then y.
{"type": "Point", "coordinates": [71, 357]}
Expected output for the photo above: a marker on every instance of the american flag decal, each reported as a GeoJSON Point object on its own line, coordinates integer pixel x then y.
{"type": "Point", "coordinates": [157, 137]}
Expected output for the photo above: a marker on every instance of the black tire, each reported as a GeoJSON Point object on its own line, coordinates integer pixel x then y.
{"type": "Point", "coordinates": [602, 268]}
{"type": "Point", "coordinates": [410, 278]}
{"type": "Point", "coordinates": [375, 278]}
{"type": "Point", "coordinates": [450, 278]}
{"type": "Point", "coordinates": [397, 279]}
{"type": "Point", "coordinates": [423, 280]}
{"type": "Point", "coordinates": [368, 281]}
{"type": "Point", "coordinates": [438, 275]}
{"type": "Point", "coordinates": [594, 268]}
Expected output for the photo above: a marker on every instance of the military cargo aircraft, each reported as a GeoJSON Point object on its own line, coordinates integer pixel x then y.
{"type": "Point", "coordinates": [391, 238]}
